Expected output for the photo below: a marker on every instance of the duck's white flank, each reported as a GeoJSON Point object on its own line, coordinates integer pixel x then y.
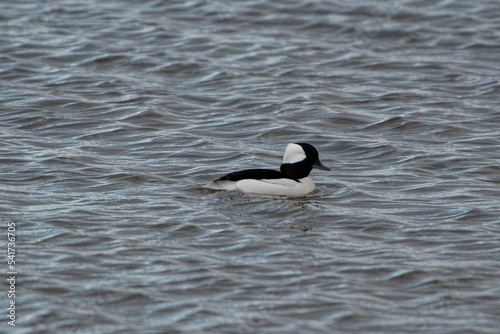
{"type": "Point", "coordinates": [284, 187]}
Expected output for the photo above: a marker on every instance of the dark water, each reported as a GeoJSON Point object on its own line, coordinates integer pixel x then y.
{"type": "Point", "coordinates": [113, 113]}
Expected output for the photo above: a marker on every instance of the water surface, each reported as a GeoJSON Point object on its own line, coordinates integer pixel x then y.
{"type": "Point", "coordinates": [114, 113]}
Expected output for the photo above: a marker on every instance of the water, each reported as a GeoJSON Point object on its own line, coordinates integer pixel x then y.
{"type": "Point", "coordinates": [114, 113]}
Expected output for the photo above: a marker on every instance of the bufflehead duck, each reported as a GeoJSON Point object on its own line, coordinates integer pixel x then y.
{"type": "Point", "coordinates": [292, 179]}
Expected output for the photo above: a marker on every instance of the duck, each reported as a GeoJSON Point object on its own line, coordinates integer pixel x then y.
{"type": "Point", "coordinates": [291, 180]}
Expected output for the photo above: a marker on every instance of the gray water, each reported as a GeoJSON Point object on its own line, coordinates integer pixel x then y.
{"type": "Point", "coordinates": [115, 113]}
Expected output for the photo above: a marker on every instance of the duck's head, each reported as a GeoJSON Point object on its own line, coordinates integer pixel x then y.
{"type": "Point", "coordinates": [300, 159]}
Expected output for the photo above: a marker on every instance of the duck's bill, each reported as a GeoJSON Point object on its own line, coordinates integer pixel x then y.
{"type": "Point", "coordinates": [319, 165]}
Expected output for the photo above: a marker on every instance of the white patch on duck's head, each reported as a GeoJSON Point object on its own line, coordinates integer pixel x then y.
{"type": "Point", "coordinates": [293, 153]}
